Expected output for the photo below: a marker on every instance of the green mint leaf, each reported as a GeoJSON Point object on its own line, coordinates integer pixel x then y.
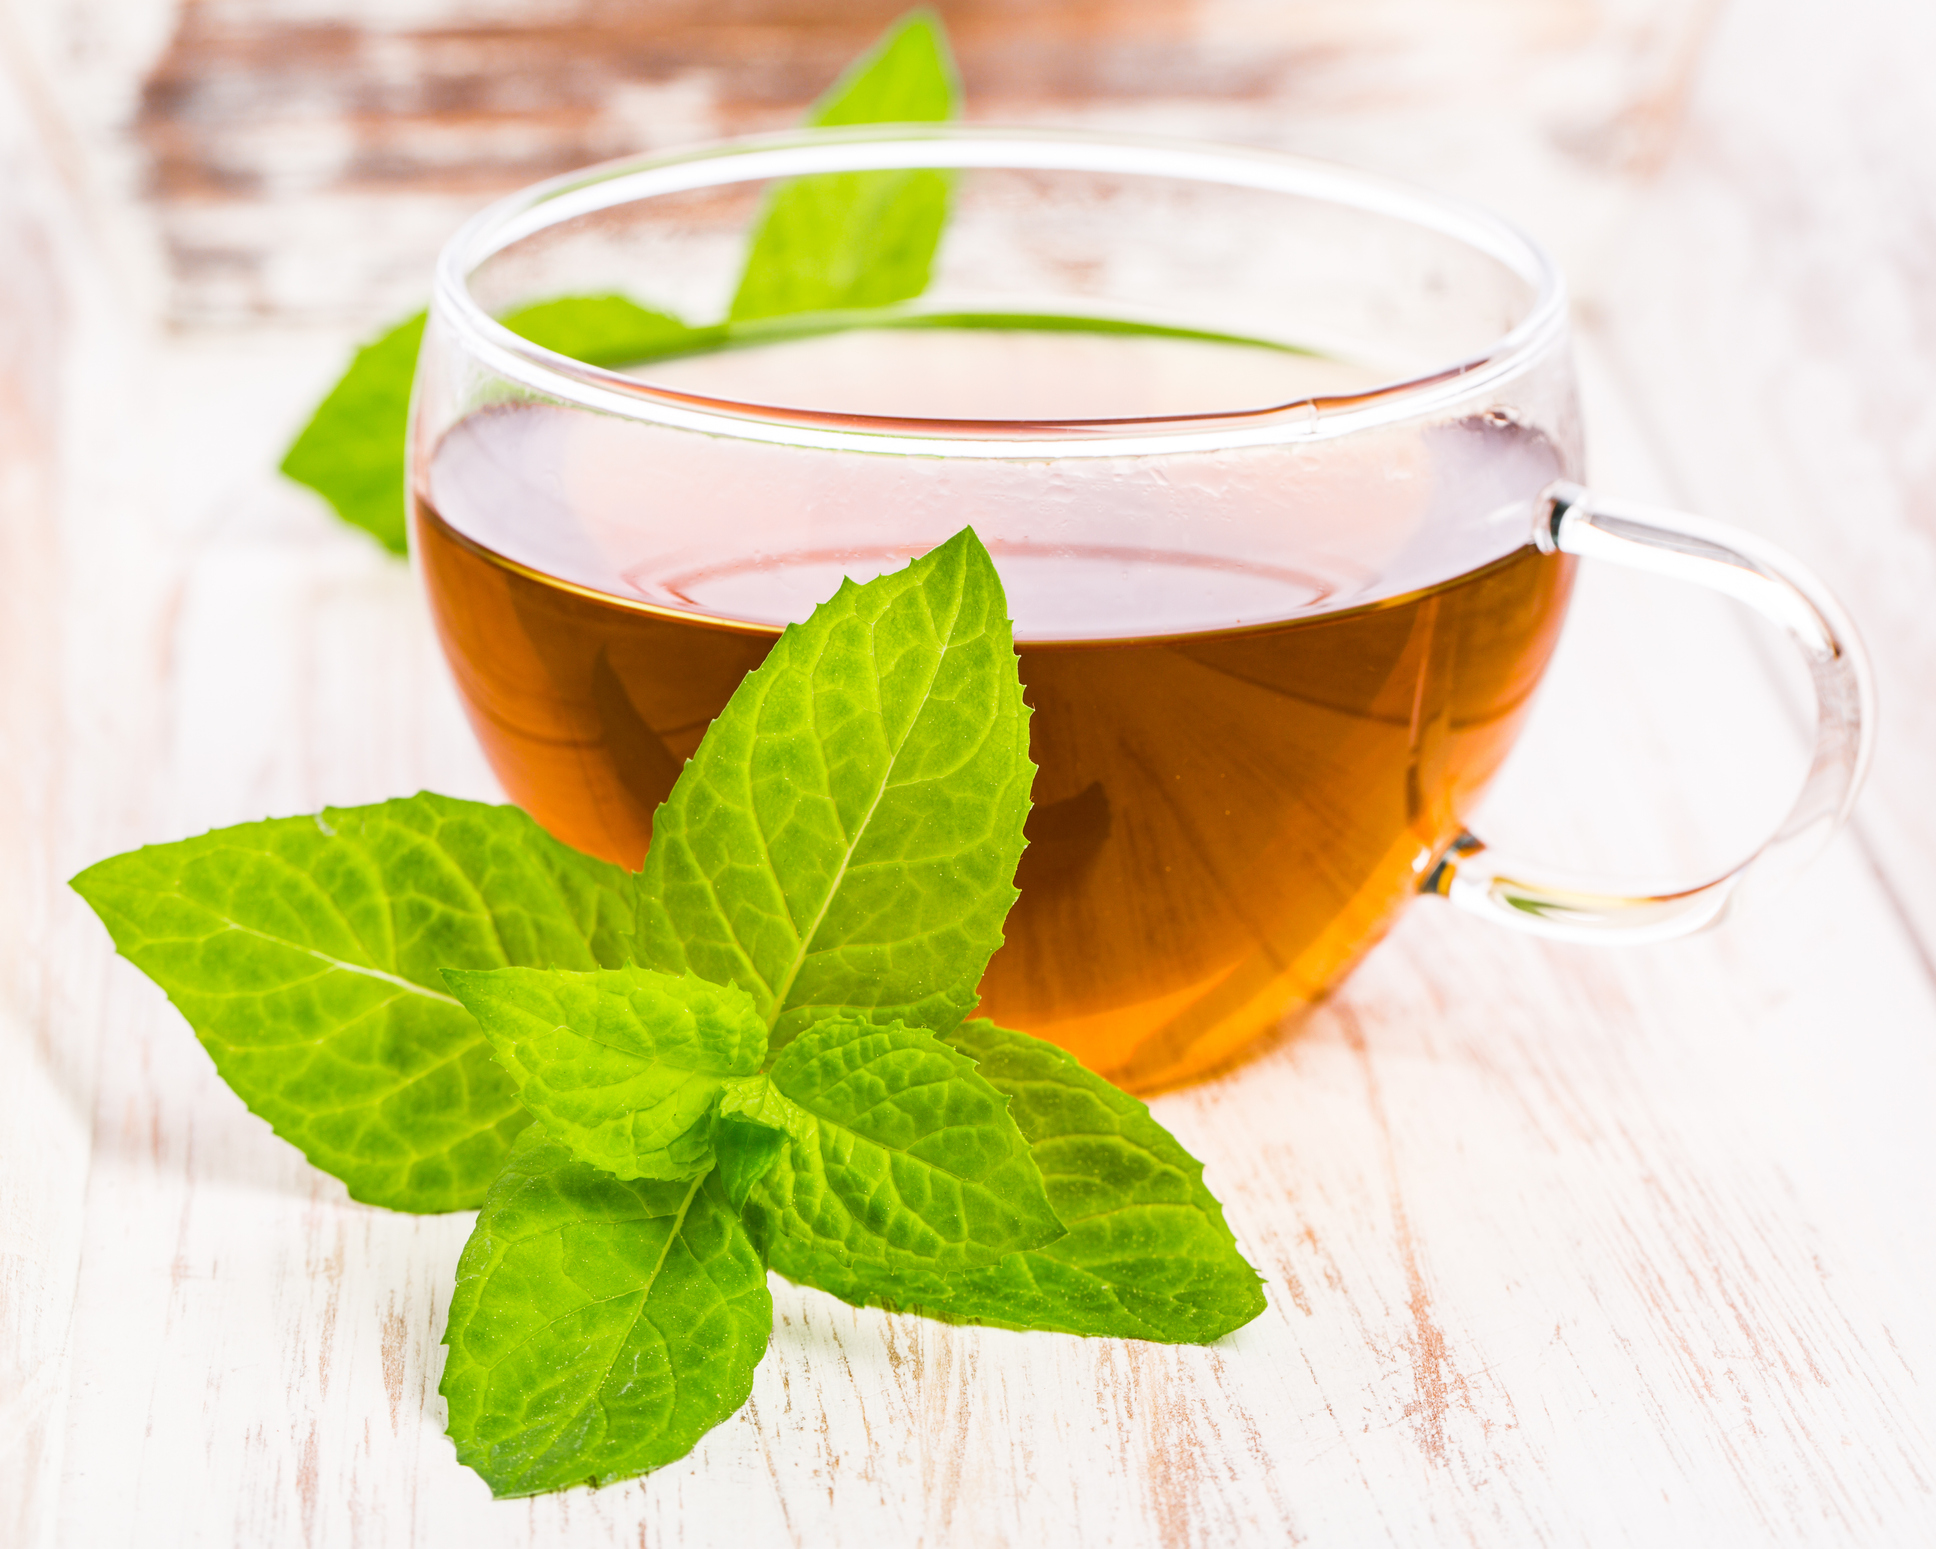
{"type": "Point", "coordinates": [747, 1152]}
{"type": "Point", "coordinates": [845, 838]}
{"type": "Point", "coordinates": [625, 1066]}
{"type": "Point", "coordinates": [1147, 1255]}
{"type": "Point", "coordinates": [840, 240]}
{"type": "Point", "coordinates": [897, 1153]}
{"type": "Point", "coordinates": [307, 954]}
{"type": "Point", "coordinates": [908, 77]}
{"type": "Point", "coordinates": [598, 1328]}
{"type": "Point", "coordinates": [351, 451]}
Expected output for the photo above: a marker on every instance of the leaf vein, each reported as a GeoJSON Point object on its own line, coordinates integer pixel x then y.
{"type": "Point", "coordinates": [881, 789]}
{"type": "Point", "coordinates": [335, 962]}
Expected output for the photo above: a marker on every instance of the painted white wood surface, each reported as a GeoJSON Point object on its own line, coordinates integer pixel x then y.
{"type": "Point", "coordinates": [1564, 1247]}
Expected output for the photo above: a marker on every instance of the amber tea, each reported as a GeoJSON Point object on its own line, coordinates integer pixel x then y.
{"type": "Point", "coordinates": [1266, 686]}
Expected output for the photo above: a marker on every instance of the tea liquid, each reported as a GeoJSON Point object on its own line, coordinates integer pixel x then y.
{"type": "Point", "coordinates": [1259, 713]}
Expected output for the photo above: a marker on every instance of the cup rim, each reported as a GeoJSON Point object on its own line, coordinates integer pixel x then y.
{"type": "Point", "coordinates": [956, 146]}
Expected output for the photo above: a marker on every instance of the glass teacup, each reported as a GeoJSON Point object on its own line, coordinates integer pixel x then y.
{"type": "Point", "coordinates": [1275, 461]}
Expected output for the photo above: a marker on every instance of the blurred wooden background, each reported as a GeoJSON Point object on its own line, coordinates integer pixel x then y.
{"type": "Point", "coordinates": [1564, 1247]}
{"type": "Point", "coordinates": [304, 159]}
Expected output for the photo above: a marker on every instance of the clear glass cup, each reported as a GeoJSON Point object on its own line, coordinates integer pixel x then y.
{"type": "Point", "coordinates": [1287, 555]}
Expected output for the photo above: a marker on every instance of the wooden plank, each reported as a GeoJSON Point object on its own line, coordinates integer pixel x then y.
{"type": "Point", "coordinates": [1604, 1248]}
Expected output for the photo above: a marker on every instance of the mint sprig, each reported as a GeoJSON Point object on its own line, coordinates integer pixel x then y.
{"type": "Point", "coordinates": [786, 1081]}
{"type": "Point", "coordinates": [824, 243]}
{"type": "Point", "coordinates": [829, 252]}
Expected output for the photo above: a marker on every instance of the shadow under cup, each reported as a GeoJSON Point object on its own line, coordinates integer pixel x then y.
{"type": "Point", "coordinates": [1278, 609]}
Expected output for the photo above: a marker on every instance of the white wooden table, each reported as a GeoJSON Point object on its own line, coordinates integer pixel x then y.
{"type": "Point", "coordinates": [1563, 1246]}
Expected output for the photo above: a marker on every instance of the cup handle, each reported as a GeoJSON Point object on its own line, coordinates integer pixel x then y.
{"type": "Point", "coordinates": [1573, 520]}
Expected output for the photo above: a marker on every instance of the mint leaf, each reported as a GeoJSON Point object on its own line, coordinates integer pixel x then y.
{"type": "Point", "coordinates": [845, 838]}
{"type": "Point", "coordinates": [624, 1066]}
{"type": "Point", "coordinates": [747, 1152]}
{"type": "Point", "coordinates": [307, 954]}
{"type": "Point", "coordinates": [598, 1328]}
{"type": "Point", "coordinates": [351, 451]}
{"type": "Point", "coordinates": [840, 240]}
{"type": "Point", "coordinates": [1147, 1255]}
{"type": "Point", "coordinates": [908, 77]}
{"type": "Point", "coordinates": [897, 1153]}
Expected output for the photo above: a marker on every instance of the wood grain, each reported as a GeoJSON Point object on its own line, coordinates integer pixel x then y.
{"type": "Point", "coordinates": [1563, 1247]}
{"type": "Point", "coordinates": [46, 1100]}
